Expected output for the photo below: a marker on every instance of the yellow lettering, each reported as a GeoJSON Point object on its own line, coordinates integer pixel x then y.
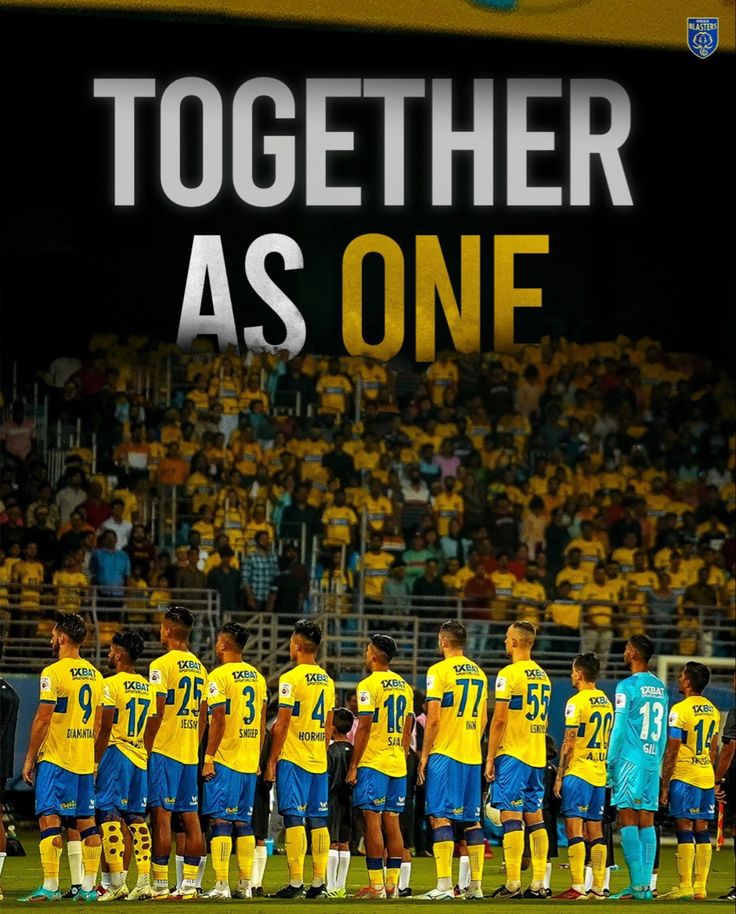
{"type": "Point", "coordinates": [506, 297]}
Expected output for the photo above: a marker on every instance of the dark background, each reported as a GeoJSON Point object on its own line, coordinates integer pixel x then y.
{"type": "Point", "coordinates": [73, 264]}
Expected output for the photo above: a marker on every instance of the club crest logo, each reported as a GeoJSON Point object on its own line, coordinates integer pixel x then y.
{"type": "Point", "coordinates": [702, 35]}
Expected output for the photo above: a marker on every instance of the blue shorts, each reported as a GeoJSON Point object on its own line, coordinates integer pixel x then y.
{"type": "Point", "coordinates": [172, 785]}
{"type": "Point", "coordinates": [581, 800]}
{"type": "Point", "coordinates": [453, 789]}
{"type": "Point", "coordinates": [62, 793]}
{"type": "Point", "coordinates": [518, 787]}
{"type": "Point", "coordinates": [121, 785]}
{"type": "Point", "coordinates": [300, 792]}
{"type": "Point", "coordinates": [377, 792]}
{"type": "Point", "coordinates": [688, 802]}
{"type": "Point", "coordinates": [634, 787]}
{"type": "Point", "coordinates": [229, 795]}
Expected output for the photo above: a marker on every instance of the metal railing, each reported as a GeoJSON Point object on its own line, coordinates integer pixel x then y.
{"type": "Point", "coordinates": [27, 618]}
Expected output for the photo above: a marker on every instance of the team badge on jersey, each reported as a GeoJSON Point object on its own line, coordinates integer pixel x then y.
{"type": "Point", "coordinates": [702, 35]}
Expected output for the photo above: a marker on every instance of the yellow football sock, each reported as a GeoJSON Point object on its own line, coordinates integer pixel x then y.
{"type": "Point", "coordinates": [50, 850]}
{"type": "Point", "coordinates": [375, 871]}
{"type": "Point", "coordinates": [703, 854]}
{"type": "Point", "coordinates": [598, 860]}
{"type": "Point", "coordinates": [245, 848]}
{"type": "Point", "coordinates": [320, 854]}
{"type": "Point", "coordinates": [393, 868]}
{"type": "Point", "coordinates": [477, 858]}
{"type": "Point", "coordinates": [539, 846]}
{"type": "Point", "coordinates": [685, 859]}
{"type": "Point", "coordinates": [161, 872]}
{"type": "Point", "coordinates": [296, 850]}
{"type": "Point", "coordinates": [113, 844]}
{"type": "Point", "coordinates": [141, 847]}
{"type": "Point", "coordinates": [221, 846]}
{"type": "Point", "coordinates": [513, 850]}
{"type": "Point", "coordinates": [91, 854]}
{"type": "Point", "coordinates": [443, 851]}
{"type": "Point", "coordinates": [576, 860]}
{"type": "Point", "coordinates": [189, 873]}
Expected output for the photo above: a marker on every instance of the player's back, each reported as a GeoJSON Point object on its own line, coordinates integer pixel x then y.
{"type": "Point", "coordinates": [591, 711]}
{"type": "Point", "coordinates": [528, 690]}
{"type": "Point", "coordinates": [132, 700]}
{"type": "Point", "coordinates": [74, 687]}
{"type": "Point", "coordinates": [242, 690]}
{"type": "Point", "coordinates": [643, 697]}
{"type": "Point", "coordinates": [461, 688]}
{"type": "Point", "coordinates": [180, 678]}
{"type": "Point", "coordinates": [388, 698]}
{"type": "Point", "coordinates": [695, 721]}
{"type": "Point", "coordinates": [310, 693]}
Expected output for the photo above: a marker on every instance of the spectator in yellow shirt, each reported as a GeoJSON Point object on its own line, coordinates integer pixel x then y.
{"type": "Point", "coordinates": [447, 506]}
{"type": "Point", "coordinates": [333, 390]}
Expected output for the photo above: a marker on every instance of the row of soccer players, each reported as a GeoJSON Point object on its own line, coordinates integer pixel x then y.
{"type": "Point", "coordinates": [142, 739]}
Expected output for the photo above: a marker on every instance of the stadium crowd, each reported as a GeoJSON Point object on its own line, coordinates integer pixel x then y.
{"type": "Point", "coordinates": [579, 486]}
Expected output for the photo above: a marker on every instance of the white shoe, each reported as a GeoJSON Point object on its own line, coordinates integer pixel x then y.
{"type": "Point", "coordinates": [140, 892]}
{"type": "Point", "coordinates": [160, 894]}
{"type": "Point", "coordinates": [472, 894]}
{"type": "Point", "coordinates": [219, 891]}
{"type": "Point", "coordinates": [435, 895]}
{"type": "Point", "coordinates": [243, 889]}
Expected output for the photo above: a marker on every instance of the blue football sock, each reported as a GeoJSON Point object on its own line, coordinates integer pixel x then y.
{"type": "Point", "coordinates": [648, 840]}
{"type": "Point", "coordinates": [632, 849]}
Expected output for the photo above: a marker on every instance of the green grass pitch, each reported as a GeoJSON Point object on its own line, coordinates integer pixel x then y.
{"type": "Point", "coordinates": [21, 874]}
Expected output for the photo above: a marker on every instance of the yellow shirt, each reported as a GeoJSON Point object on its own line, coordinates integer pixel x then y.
{"type": "Point", "coordinates": [504, 582]}
{"type": "Point", "coordinates": [242, 689]}
{"type": "Point", "coordinates": [206, 533]}
{"type": "Point", "coordinates": [310, 693]}
{"type": "Point", "coordinates": [461, 688]}
{"type": "Point", "coordinates": [372, 377]}
{"type": "Point", "coordinates": [447, 506]}
{"type": "Point", "coordinates": [337, 523]}
{"type": "Point", "coordinates": [378, 510]}
{"type": "Point", "coordinates": [312, 454]}
{"type": "Point", "coordinates": [132, 699]}
{"type": "Point", "coordinates": [625, 559]}
{"type": "Point", "coordinates": [441, 376]}
{"type": "Point", "coordinates": [387, 698]}
{"type": "Point", "coordinates": [695, 721]}
{"type": "Point", "coordinates": [249, 455]}
{"type": "Point", "coordinates": [30, 577]}
{"type": "Point", "coordinates": [527, 595]}
{"type": "Point", "coordinates": [591, 553]}
{"type": "Point", "coordinates": [565, 612]}
{"type": "Point", "coordinates": [375, 570]}
{"type": "Point", "coordinates": [74, 687]}
{"type": "Point", "coordinates": [598, 614]}
{"type": "Point", "coordinates": [6, 576]}
{"type": "Point", "coordinates": [181, 678]}
{"type": "Point", "coordinates": [332, 390]}
{"type": "Point", "coordinates": [527, 689]}
{"type": "Point", "coordinates": [577, 577]}
{"type": "Point", "coordinates": [591, 713]}
{"type": "Point", "coordinates": [646, 582]}
{"type": "Point", "coordinates": [69, 586]}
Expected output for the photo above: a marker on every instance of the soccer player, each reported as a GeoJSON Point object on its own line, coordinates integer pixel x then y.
{"type": "Point", "coordinates": [122, 776]}
{"type": "Point", "coordinates": [378, 765]}
{"type": "Point", "coordinates": [517, 758]}
{"type": "Point", "coordinates": [172, 740]}
{"type": "Point", "coordinates": [61, 755]}
{"type": "Point", "coordinates": [581, 776]}
{"type": "Point", "coordinates": [236, 700]}
{"type": "Point", "coordinates": [339, 803]}
{"type": "Point", "coordinates": [635, 754]}
{"type": "Point", "coordinates": [457, 713]}
{"type": "Point", "coordinates": [299, 746]}
{"type": "Point", "coordinates": [688, 779]}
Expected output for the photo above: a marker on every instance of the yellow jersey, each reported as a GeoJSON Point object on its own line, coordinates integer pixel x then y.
{"type": "Point", "coordinates": [310, 693]}
{"type": "Point", "coordinates": [180, 678]}
{"type": "Point", "coordinates": [526, 688]}
{"type": "Point", "coordinates": [242, 690]}
{"type": "Point", "coordinates": [333, 390]}
{"type": "Point", "coordinates": [461, 688]}
{"type": "Point", "coordinates": [133, 702]}
{"type": "Point", "coordinates": [378, 509]}
{"type": "Point", "coordinates": [598, 614]}
{"type": "Point", "coordinates": [694, 720]}
{"type": "Point", "coordinates": [447, 506]}
{"type": "Point", "coordinates": [74, 687]}
{"type": "Point", "coordinates": [387, 698]}
{"type": "Point", "coordinates": [30, 577]}
{"type": "Point", "coordinates": [69, 588]}
{"type": "Point", "coordinates": [338, 524]}
{"type": "Point", "coordinates": [578, 578]}
{"type": "Point", "coordinates": [529, 596]}
{"type": "Point", "coordinates": [375, 570]}
{"type": "Point", "coordinates": [590, 712]}
{"type": "Point", "coordinates": [591, 554]}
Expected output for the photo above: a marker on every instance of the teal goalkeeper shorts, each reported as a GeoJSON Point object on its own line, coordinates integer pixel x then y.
{"type": "Point", "coordinates": [634, 787]}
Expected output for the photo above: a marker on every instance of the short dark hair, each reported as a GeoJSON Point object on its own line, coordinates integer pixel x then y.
{"type": "Point", "coordinates": [697, 674]}
{"type": "Point", "coordinates": [73, 626]}
{"type": "Point", "coordinates": [309, 631]}
{"type": "Point", "coordinates": [454, 631]}
{"type": "Point", "coordinates": [643, 645]}
{"type": "Point", "coordinates": [385, 645]}
{"type": "Point", "coordinates": [236, 633]}
{"type": "Point", "coordinates": [343, 720]}
{"type": "Point", "coordinates": [588, 664]}
{"type": "Point", "coordinates": [179, 617]}
{"type": "Point", "coordinates": [131, 641]}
